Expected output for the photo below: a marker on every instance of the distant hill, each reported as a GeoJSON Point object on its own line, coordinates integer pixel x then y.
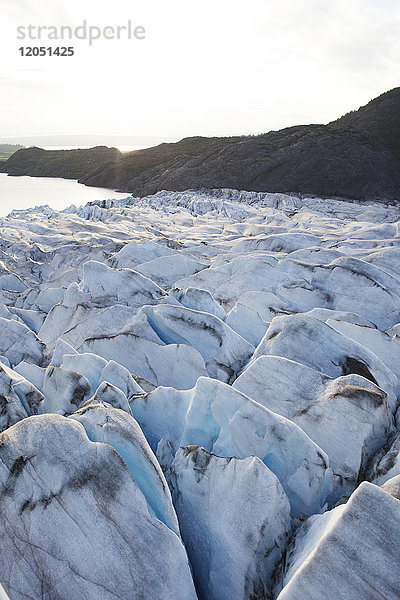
{"type": "Point", "coordinates": [10, 147]}
{"type": "Point", "coordinates": [7, 149]}
{"type": "Point", "coordinates": [68, 164]}
{"type": "Point", "coordinates": [355, 157]}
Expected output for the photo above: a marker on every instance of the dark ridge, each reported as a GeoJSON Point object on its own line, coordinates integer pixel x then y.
{"type": "Point", "coordinates": [68, 164]}
{"type": "Point", "coordinates": [379, 120]}
{"type": "Point", "coordinates": [356, 157]}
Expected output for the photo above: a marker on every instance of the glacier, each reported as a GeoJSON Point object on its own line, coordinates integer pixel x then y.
{"type": "Point", "coordinates": [250, 524]}
{"type": "Point", "coordinates": [74, 521]}
{"type": "Point", "coordinates": [199, 398]}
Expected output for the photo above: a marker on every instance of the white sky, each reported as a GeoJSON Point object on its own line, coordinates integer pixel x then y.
{"type": "Point", "coordinates": [210, 67]}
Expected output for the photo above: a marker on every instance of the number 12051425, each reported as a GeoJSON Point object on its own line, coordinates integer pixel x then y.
{"type": "Point", "coordinates": [47, 51]}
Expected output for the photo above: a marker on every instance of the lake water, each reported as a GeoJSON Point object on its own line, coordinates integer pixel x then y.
{"type": "Point", "coordinates": [27, 192]}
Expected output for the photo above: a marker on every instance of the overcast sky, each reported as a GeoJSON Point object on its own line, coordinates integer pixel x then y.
{"type": "Point", "coordinates": [212, 67]}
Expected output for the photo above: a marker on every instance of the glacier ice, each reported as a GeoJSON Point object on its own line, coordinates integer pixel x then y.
{"type": "Point", "coordinates": [315, 344]}
{"type": "Point", "coordinates": [253, 312]}
{"type": "Point", "coordinates": [61, 349]}
{"type": "Point", "coordinates": [109, 394]}
{"type": "Point", "coordinates": [107, 286]}
{"type": "Point", "coordinates": [98, 370]}
{"type": "Point", "coordinates": [383, 344]}
{"type": "Point", "coordinates": [197, 299]}
{"type": "Point", "coordinates": [178, 365]}
{"type": "Point", "coordinates": [235, 520]}
{"type": "Point", "coordinates": [19, 398]}
{"type": "Point", "coordinates": [223, 350]}
{"type": "Point", "coordinates": [64, 391]}
{"type": "Point", "coordinates": [82, 528]}
{"type": "Point", "coordinates": [134, 253]}
{"type": "Point", "coordinates": [18, 342]}
{"type": "Point", "coordinates": [348, 417]}
{"type": "Point", "coordinates": [228, 423]}
{"type": "Point", "coordinates": [385, 464]}
{"type": "Point", "coordinates": [247, 343]}
{"type": "Point", "coordinates": [109, 425]}
{"type": "Point", "coordinates": [165, 270]}
{"type": "Point", "coordinates": [348, 553]}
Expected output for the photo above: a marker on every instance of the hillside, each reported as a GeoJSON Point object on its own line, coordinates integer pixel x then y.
{"type": "Point", "coordinates": [318, 160]}
{"type": "Point", "coordinates": [68, 164]}
{"type": "Point", "coordinates": [379, 120]}
{"type": "Point", "coordinates": [355, 157]}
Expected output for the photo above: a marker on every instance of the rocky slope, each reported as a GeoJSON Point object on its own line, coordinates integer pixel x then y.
{"type": "Point", "coordinates": [379, 120]}
{"type": "Point", "coordinates": [68, 164]}
{"type": "Point", "coordinates": [308, 159]}
{"type": "Point", "coordinates": [199, 398]}
{"type": "Point", "coordinates": [356, 157]}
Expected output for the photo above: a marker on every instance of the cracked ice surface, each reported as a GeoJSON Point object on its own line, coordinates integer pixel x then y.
{"type": "Point", "coordinates": [199, 397]}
